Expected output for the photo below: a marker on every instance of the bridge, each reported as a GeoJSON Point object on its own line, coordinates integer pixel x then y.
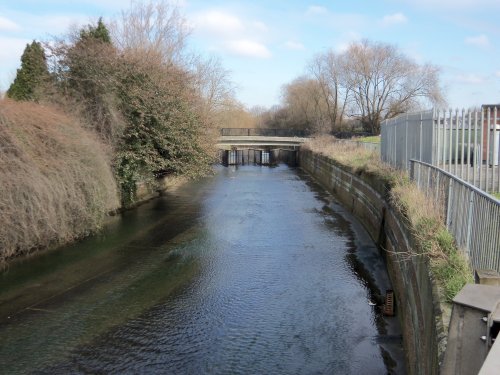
{"type": "Point", "coordinates": [240, 146]}
{"type": "Point", "coordinates": [231, 138]}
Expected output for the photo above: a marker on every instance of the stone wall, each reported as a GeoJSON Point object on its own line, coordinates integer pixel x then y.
{"type": "Point", "coordinates": [417, 304]}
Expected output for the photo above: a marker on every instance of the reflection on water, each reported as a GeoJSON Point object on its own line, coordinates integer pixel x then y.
{"type": "Point", "coordinates": [253, 271]}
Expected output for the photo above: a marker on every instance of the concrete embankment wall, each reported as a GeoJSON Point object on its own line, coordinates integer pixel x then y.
{"type": "Point", "coordinates": [417, 303]}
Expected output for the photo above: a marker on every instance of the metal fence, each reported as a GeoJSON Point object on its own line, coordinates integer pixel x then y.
{"type": "Point", "coordinates": [471, 215]}
{"type": "Point", "coordinates": [409, 136]}
{"type": "Point", "coordinates": [464, 143]}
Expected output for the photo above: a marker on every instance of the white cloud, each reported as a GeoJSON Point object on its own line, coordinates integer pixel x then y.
{"type": "Point", "coordinates": [478, 41]}
{"type": "Point", "coordinates": [8, 25]}
{"type": "Point", "coordinates": [394, 19]}
{"type": "Point", "coordinates": [497, 73]}
{"type": "Point", "coordinates": [316, 10]}
{"type": "Point", "coordinates": [248, 48]}
{"type": "Point", "coordinates": [471, 79]}
{"type": "Point", "coordinates": [218, 22]}
{"type": "Point", "coordinates": [297, 46]}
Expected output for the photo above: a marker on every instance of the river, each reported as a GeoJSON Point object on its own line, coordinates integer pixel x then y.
{"type": "Point", "coordinates": [252, 271]}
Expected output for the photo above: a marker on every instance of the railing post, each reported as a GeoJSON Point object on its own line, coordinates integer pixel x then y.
{"type": "Point", "coordinates": [448, 209]}
{"type": "Point", "coordinates": [488, 144]}
{"type": "Point", "coordinates": [421, 141]}
{"type": "Point", "coordinates": [406, 143]}
{"type": "Point", "coordinates": [469, 222]}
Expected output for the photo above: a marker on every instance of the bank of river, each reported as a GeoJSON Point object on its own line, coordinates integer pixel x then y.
{"type": "Point", "coordinates": [254, 270]}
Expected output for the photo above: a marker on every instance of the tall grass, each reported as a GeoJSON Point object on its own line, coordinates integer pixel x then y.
{"type": "Point", "coordinates": [56, 183]}
{"type": "Point", "coordinates": [448, 264]}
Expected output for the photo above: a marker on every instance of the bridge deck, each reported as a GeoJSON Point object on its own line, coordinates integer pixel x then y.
{"type": "Point", "coordinates": [259, 141]}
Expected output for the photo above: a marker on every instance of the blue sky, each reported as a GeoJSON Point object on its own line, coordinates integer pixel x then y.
{"type": "Point", "coordinates": [267, 43]}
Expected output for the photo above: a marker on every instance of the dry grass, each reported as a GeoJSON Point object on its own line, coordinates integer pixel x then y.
{"type": "Point", "coordinates": [352, 155]}
{"type": "Point", "coordinates": [424, 216]}
{"type": "Point", "coordinates": [56, 180]}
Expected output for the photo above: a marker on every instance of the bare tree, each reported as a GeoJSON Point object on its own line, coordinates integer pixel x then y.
{"type": "Point", "coordinates": [384, 82]}
{"type": "Point", "coordinates": [157, 29]}
{"type": "Point", "coordinates": [211, 82]}
{"type": "Point", "coordinates": [306, 105]}
{"type": "Point", "coordinates": [327, 69]}
{"type": "Point", "coordinates": [234, 115]}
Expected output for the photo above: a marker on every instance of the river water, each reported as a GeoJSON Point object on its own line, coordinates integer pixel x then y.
{"type": "Point", "coordinates": [252, 271]}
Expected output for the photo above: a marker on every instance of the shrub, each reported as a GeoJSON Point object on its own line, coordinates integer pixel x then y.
{"type": "Point", "coordinates": [56, 180]}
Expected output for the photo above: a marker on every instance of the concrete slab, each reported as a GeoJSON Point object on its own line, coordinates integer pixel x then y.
{"type": "Point", "coordinates": [491, 365]}
{"type": "Point", "coordinates": [487, 277]}
{"type": "Point", "coordinates": [481, 297]}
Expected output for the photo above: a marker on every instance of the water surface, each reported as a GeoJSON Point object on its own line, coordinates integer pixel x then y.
{"type": "Point", "coordinates": [252, 271]}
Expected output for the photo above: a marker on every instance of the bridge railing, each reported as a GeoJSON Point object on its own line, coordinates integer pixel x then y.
{"type": "Point", "coordinates": [235, 132]}
{"type": "Point", "coordinates": [471, 215]}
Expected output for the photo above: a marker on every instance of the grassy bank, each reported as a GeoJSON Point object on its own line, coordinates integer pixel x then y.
{"type": "Point", "coordinates": [56, 179]}
{"type": "Point", "coordinates": [448, 265]}
{"type": "Point", "coordinates": [370, 139]}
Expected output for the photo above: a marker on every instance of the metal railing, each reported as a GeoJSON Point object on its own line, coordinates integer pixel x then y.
{"type": "Point", "coordinates": [471, 215]}
{"type": "Point", "coordinates": [235, 132]}
{"type": "Point", "coordinates": [409, 136]}
{"type": "Point", "coordinates": [464, 143]}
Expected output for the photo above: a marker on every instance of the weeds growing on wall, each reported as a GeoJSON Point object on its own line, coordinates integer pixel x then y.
{"type": "Point", "coordinates": [448, 265]}
{"type": "Point", "coordinates": [56, 179]}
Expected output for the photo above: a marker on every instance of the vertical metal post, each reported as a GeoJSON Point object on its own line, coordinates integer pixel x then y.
{"type": "Point", "coordinates": [488, 149]}
{"type": "Point", "coordinates": [450, 197]}
{"type": "Point", "coordinates": [469, 120]}
{"type": "Point", "coordinates": [444, 140]}
{"type": "Point", "coordinates": [481, 151]}
{"type": "Point", "coordinates": [462, 155]}
{"type": "Point", "coordinates": [476, 152]}
{"type": "Point", "coordinates": [450, 140]}
{"type": "Point", "coordinates": [498, 150]}
{"type": "Point", "coordinates": [439, 145]}
{"type": "Point", "coordinates": [406, 143]}
{"type": "Point", "coordinates": [455, 168]}
{"type": "Point", "coordinates": [495, 161]}
{"type": "Point", "coordinates": [437, 186]}
{"type": "Point", "coordinates": [421, 141]}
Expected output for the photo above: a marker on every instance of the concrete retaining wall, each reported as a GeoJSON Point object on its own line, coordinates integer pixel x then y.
{"type": "Point", "coordinates": [417, 303]}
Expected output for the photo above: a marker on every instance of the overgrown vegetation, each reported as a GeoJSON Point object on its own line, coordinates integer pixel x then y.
{"type": "Point", "coordinates": [448, 265]}
{"type": "Point", "coordinates": [118, 105]}
{"type": "Point", "coordinates": [57, 182]}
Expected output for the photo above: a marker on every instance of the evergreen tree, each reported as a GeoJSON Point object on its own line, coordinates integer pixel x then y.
{"type": "Point", "coordinates": [97, 33]}
{"type": "Point", "coordinates": [32, 75]}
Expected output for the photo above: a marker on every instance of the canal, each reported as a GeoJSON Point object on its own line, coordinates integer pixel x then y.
{"type": "Point", "coordinates": [252, 271]}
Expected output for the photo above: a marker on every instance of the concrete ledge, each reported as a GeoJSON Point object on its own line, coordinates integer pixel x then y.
{"type": "Point", "coordinates": [492, 364]}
